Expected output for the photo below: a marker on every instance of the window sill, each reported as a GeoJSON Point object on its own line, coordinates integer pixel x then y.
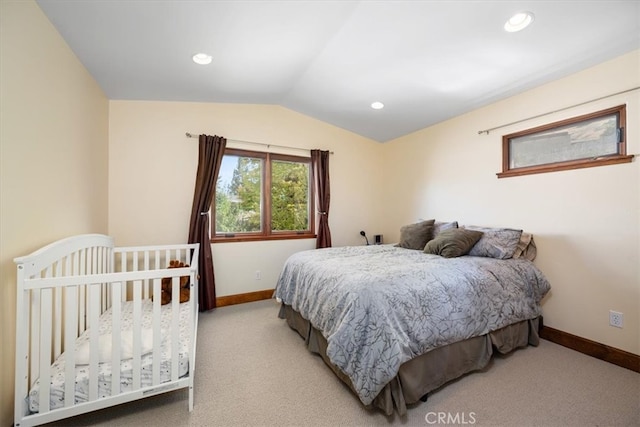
{"type": "Point", "coordinates": [246, 238]}
{"type": "Point", "coordinates": [576, 164]}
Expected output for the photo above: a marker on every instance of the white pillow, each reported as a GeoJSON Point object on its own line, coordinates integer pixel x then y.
{"type": "Point", "coordinates": [83, 352]}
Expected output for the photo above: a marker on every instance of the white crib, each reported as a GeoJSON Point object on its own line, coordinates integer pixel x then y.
{"type": "Point", "coordinates": [88, 327]}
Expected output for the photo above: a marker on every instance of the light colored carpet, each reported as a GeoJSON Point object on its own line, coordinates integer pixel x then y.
{"type": "Point", "coordinates": [253, 370]}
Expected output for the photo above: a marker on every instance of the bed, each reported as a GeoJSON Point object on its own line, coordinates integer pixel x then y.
{"type": "Point", "coordinates": [395, 323]}
{"type": "Point", "coordinates": [89, 332]}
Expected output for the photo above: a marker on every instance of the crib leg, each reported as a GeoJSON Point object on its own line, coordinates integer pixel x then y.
{"type": "Point", "coordinates": [190, 398]}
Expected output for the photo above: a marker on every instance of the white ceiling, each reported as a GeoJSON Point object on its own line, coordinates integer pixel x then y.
{"type": "Point", "coordinates": [427, 61]}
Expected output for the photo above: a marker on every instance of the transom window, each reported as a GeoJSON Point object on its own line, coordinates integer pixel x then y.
{"type": "Point", "coordinates": [590, 140]}
{"type": "Point", "coordinates": [262, 196]}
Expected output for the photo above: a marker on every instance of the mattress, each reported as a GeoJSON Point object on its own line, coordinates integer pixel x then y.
{"type": "Point", "coordinates": [57, 398]}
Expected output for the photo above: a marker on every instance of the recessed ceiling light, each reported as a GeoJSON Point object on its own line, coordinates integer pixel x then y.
{"type": "Point", "coordinates": [518, 22]}
{"type": "Point", "coordinates": [202, 58]}
{"type": "Point", "coordinates": [377, 105]}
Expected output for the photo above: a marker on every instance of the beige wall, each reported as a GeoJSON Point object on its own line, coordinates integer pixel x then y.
{"type": "Point", "coordinates": [53, 155]}
{"type": "Point", "coordinates": [586, 222]}
{"type": "Point", "coordinates": [152, 169]}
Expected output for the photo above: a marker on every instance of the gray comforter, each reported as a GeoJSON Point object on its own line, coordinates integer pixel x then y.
{"type": "Point", "coordinates": [380, 306]}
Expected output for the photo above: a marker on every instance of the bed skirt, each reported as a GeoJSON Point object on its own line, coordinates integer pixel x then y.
{"type": "Point", "coordinates": [425, 373]}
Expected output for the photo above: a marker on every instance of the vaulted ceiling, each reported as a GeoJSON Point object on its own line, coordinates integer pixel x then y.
{"type": "Point", "coordinates": [426, 61]}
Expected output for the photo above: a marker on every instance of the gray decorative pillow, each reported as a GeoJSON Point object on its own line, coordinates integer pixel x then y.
{"type": "Point", "coordinates": [415, 236]}
{"type": "Point", "coordinates": [499, 243]}
{"type": "Point", "coordinates": [453, 242]}
{"type": "Point", "coordinates": [439, 226]}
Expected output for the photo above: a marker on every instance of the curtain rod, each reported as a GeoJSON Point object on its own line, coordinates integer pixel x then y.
{"type": "Point", "coordinates": [191, 135]}
{"type": "Point", "coordinates": [486, 131]}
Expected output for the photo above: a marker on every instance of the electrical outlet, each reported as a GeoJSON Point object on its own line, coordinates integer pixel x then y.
{"type": "Point", "coordinates": [258, 275]}
{"type": "Point", "coordinates": [615, 319]}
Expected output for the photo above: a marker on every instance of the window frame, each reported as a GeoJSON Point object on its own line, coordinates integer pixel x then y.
{"type": "Point", "coordinates": [267, 233]}
{"type": "Point", "coordinates": [611, 159]}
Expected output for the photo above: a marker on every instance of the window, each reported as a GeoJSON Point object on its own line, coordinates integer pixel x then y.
{"type": "Point", "coordinates": [595, 139]}
{"type": "Point", "coordinates": [263, 196]}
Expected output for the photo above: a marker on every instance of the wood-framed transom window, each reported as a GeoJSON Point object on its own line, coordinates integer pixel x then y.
{"type": "Point", "coordinates": [263, 196]}
{"type": "Point", "coordinates": [595, 139]}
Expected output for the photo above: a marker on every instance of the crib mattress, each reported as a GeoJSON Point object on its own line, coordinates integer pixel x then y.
{"type": "Point", "coordinates": [57, 398]}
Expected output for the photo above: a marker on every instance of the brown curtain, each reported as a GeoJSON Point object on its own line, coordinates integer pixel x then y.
{"type": "Point", "coordinates": [320, 167]}
{"type": "Point", "coordinates": [210, 153]}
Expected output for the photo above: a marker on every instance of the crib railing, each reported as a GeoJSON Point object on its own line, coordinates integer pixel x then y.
{"type": "Point", "coordinates": [64, 288]}
{"type": "Point", "coordinates": [44, 308]}
{"type": "Point", "coordinates": [146, 258]}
